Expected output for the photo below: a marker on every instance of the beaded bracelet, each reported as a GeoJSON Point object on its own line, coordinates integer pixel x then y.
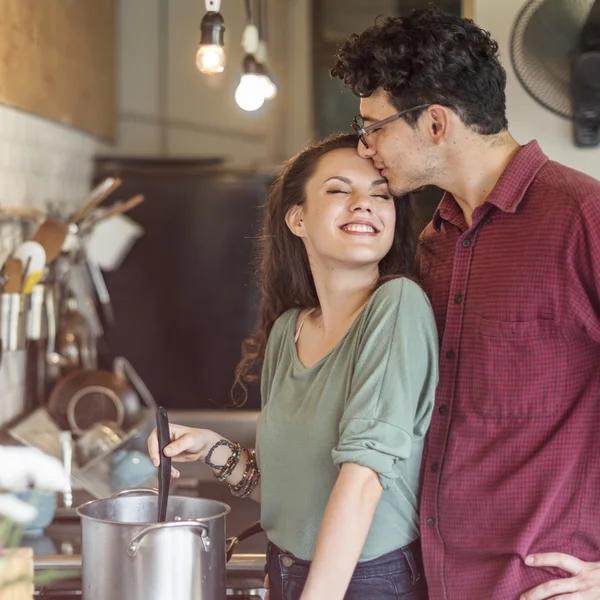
{"type": "Point", "coordinates": [231, 464]}
{"type": "Point", "coordinates": [222, 442]}
{"type": "Point", "coordinates": [241, 483]}
{"type": "Point", "coordinates": [249, 479]}
{"type": "Point", "coordinates": [240, 490]}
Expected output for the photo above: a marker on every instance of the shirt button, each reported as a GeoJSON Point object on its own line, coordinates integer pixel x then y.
{"type": "Point", "coordinates": [286, 561]}
{"type": "Point", "coordinates": [457, 299]}
{"type": "Point", "coordinates": [489, 220]}
{"type": "Point", "coordinates": [430, 522]}
{"type": "Point", "coordinates": [450, 354]}
{"type": "Point", "coordinates": [434, 468]}
{"type": "Point", "coordinates": [442, 409]}
{"type": "Point", "coordinates": [466, 243]}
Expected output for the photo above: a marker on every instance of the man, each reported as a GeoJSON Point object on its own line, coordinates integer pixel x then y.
{"type": "Point", "coordinates": [511, 263]}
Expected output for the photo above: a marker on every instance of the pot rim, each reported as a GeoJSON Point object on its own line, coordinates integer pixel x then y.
{"type": "Point", "coordinates": [78, 511]}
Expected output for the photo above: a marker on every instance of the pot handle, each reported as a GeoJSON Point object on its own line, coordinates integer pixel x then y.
{"type": "Point", "coordinates": [199, 528]}
{"type": "Point", "coordinates": [232, 542]}
{"type": "Point", "coordinates": [135, 491]}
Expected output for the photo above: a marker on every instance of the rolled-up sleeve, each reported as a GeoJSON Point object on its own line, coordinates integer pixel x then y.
{"type": "Point", "coordinates": [393, 383]}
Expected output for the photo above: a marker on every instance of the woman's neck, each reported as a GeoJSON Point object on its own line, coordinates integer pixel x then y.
{"type": "Point", "coordinates": [342, 293]}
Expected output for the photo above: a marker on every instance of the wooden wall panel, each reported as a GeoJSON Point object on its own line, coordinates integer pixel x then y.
{"type": "Point", "coordinates": [57, 60]}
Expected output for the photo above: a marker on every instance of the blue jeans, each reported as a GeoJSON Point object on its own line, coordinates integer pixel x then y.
{"type": "Point", "coordinates": [395, 576]}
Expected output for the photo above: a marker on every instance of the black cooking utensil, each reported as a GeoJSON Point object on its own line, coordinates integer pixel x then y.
{"type": "Point", "coordinates": [164, 468]}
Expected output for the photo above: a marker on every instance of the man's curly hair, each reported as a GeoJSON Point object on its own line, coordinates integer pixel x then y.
{"type": "Point", "coordinates": [429, 57]}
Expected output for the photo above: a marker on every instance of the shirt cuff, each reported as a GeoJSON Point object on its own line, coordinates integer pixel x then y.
{"type": "Point", "coordinates": [373, 444]}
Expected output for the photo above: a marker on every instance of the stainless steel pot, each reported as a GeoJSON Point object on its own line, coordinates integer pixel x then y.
{"type": "Point", "coordinates": [126, 555]}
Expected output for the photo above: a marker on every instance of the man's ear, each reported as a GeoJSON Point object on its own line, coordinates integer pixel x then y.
{"type": "Point", "coordinates": [439, 122]}
{"type": "Point", "coordinates": [293, 219]}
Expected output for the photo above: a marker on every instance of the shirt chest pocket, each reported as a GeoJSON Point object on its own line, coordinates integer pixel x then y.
{"type": "Point", "coordinates": [516, 371]}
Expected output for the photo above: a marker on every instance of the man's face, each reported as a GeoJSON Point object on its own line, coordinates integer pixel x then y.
{"type": "Point", "coordinates": [403, 153]}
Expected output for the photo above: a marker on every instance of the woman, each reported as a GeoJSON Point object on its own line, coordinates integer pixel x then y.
{"type": "Point", "coordinates": [349, 367]}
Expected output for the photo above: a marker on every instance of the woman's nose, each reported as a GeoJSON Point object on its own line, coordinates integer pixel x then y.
{"type": "Point", "coordinates": [361, 202]}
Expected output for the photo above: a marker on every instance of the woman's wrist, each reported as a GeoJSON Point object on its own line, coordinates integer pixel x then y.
{"type": "Point", "coordinates": [213, 444]}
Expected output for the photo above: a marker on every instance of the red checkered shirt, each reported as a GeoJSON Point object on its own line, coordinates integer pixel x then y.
{"type": "Point", "coordinates": [512, 463]}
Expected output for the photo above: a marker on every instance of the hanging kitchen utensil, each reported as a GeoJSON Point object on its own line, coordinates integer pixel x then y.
{"type": "Point", "coordinates": [82, 287]}
{"type": "Point", "coordinates": [102, 296]}
{"type": "Point", "coordinates": [33, 256]}
{"type": "Point", "coordinates": [51, 235]}
{"type": "Point", "coordinates": [36, 352]}
{"type": "Point", "coordinates": [118, 208]}
{"type": "Point", "coordinates": [96, 196]}
{"type": "Point", "coordinates": [74, 342]}
{"type": "Point", "coordinates": [164, 468]}
{"type": "Point", "coordinates": [13, 275]}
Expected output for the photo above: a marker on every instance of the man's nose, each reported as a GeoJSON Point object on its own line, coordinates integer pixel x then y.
{"type": "Point", "coordinates": [365, 152]}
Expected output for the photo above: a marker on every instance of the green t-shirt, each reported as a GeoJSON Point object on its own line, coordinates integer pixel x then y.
{"type": "Point", "coordinates": [368, 401]}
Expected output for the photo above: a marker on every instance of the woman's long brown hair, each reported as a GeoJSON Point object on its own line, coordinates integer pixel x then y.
{"type": "Point", "coordinates": [284, 273]}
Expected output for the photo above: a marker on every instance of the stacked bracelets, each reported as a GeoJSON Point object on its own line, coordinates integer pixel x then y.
{"type": "Point", "coordinates": [251, 475]}
{"type": "Point", "coordinates": [249, 479]}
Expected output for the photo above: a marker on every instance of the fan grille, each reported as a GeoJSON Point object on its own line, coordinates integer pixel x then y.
{"type": "Point", "coordinates": [544, 40]}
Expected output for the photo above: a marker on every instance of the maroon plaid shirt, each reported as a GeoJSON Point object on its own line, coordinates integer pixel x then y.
{"type": "Point", "coordinates": [512, 464]}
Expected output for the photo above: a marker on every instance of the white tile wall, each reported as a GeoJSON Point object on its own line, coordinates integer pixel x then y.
{"type": "Point", "coordinates": [41, 162]}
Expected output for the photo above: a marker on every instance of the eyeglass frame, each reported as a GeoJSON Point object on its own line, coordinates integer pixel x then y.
{"type": "Point", "coordinates": [363, 132]}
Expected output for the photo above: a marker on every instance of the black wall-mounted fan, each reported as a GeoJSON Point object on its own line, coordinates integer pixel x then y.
{"type": "Point", "coordinates": [555, 52]}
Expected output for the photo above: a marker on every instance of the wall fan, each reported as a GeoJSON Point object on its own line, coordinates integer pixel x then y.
{"type": "Point", "coordinates": [555, 52]}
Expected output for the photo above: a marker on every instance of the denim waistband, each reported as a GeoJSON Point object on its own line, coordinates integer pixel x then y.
{"type": "Point", "coordinates": [408, 558]}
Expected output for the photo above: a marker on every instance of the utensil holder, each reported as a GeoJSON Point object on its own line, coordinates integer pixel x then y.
{"type": "Point", "coordinates": [14, 309]}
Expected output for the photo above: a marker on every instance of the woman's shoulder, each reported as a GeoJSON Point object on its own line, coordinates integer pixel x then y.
{"type": "Point", "coordinates": [402, 290]}
{"type": "Point", "coordinates": [283, 323]}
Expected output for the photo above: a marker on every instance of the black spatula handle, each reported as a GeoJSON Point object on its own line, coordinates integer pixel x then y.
{"type": "Point", "coordinates": [164, 468]}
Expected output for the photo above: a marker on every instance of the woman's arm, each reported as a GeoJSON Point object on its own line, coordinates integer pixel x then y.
{"type": "Point", "coordinates": [343, 532]}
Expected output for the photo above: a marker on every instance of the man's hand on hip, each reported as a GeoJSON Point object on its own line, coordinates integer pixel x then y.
{"type": "Point", "coordinates": [584, 583]}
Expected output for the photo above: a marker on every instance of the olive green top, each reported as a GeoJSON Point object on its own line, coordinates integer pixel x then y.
{"type": "Point", "coordinates": [368, 401]}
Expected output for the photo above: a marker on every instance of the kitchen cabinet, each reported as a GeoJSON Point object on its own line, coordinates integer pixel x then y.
{"type": "Point", "coordinates": [57, 60]}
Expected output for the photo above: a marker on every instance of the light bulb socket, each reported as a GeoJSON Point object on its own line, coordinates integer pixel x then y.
{"type": "Point", "coordinates": [250, 65]}
{"type": "Point", "coordinates": [212, 29]}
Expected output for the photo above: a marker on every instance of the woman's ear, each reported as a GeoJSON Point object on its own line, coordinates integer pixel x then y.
{"type": "Point", "coordinates": [293, 219]}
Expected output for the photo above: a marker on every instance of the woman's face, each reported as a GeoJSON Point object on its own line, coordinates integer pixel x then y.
{"type": "Point", "coordinates": [349, 215]}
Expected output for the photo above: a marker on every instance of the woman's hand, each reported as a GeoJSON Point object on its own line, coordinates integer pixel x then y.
{"type": "Point", "coordinates": [188, 444]}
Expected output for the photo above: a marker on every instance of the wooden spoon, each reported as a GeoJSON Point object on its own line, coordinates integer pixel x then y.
{"type": "Point", "coordinates": [51, 234]}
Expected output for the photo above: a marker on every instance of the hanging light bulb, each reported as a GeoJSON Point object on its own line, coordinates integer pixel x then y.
{"type": "Point", "coordinates": [210, 57]}
{"type": "Point", "coordinates": [269, 87]}
{"type": "Point", "coordinates": [249, 94]}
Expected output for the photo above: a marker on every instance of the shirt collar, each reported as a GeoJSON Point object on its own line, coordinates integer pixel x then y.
{"type": "Point", "coordinates": [509, 189]}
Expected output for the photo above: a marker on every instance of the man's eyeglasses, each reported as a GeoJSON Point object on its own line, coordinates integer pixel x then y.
{"type": "Point", "coordinates": [362, 132]}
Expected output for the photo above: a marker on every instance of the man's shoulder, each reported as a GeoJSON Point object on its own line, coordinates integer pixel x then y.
{"type": "Point", "coordinates": [566, 185]}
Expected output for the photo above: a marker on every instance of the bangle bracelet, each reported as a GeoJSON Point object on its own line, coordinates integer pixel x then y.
{"type": "Point", "coordinates": [231, 463]}
{"type": "Point", "coordinates": [249, 479]}
{"type": "Point", "coordinates": [222, 442]}
{"type": "Point", "coordinates": [238, 486]}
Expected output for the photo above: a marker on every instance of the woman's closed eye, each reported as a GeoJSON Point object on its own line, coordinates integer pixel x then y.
{"type": "Point", "coordinates": [338, 192]}
{"type": "Point", "coordinates": [384, 196]}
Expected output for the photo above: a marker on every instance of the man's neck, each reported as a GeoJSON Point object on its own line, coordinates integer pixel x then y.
{"type": "Point", "coordinates": [475, 168]}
